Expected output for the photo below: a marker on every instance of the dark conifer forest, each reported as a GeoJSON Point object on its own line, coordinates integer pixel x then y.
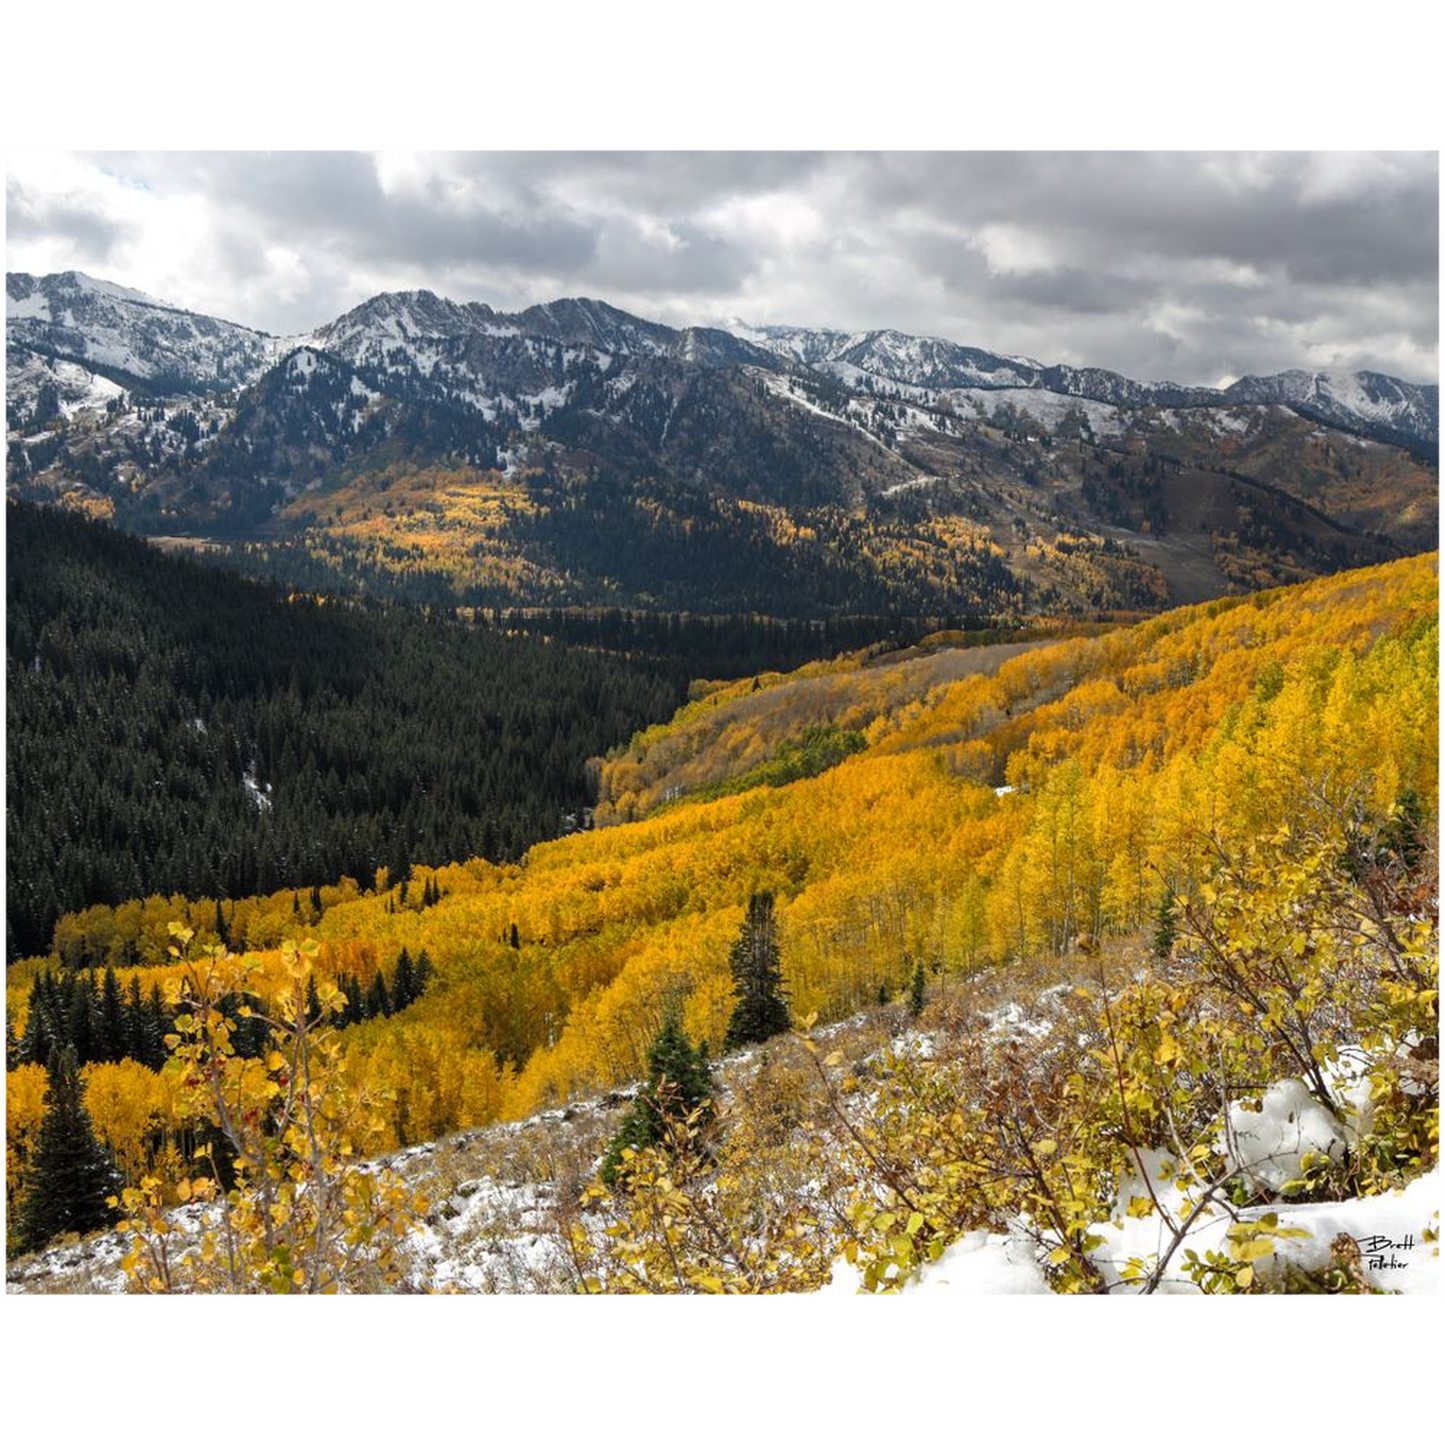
{"type": "Point", "coordinates": [173, 728]}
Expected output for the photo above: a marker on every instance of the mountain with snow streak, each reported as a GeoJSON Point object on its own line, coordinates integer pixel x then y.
{"type": "Point", "coordinates": [131, 338]}
{"type": "Point", "coordinates": [401, 327]}
{"type": "Point", "coordinates": [922, 368]}
{"type": "Point", "coordinates": [1366, 400]}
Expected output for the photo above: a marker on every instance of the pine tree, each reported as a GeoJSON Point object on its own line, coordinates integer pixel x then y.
{"type": "Point", "coordinates": [916, 991]}
{"type": "Point", "coordinates": [403, 983]}
{"type": "Point", "coordinates": [110, 1042]}
{"type": "Point", "coordinates": [1166, 927]}
{"type": "Point", "coordinates": [41, 1033]}
{"type": "Point", "coordinates": [157, 1026]}
{"type": "Point", "coordinates": [69, 1176]}
{"type": "Point", "coordinates": [80, 1018]}
{"type": "Point", "coordinates": [135, 1025]}
{"type": "Point", "coordinates": [378, 1000]}
{"type": "Point", "coordinates": [355, 1000]}
{"type": "Point", "coordinates": [762, 1009]}
{"type": "Point", "coordinates": [679, 1084]}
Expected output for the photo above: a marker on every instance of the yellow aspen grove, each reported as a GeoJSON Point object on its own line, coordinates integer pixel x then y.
{"type": "Point", "coordinates": [1115, 757]}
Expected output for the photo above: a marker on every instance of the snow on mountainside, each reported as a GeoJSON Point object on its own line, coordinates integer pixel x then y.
{"type": "Point", "coordinates": [108, 328]}
{"type": "Point", "coordinates": [400, 327]}
{"type": "Point", "coordinates": [914, 361]}
{"type": "Point", "coordinates": [75, 388]}
{"type": "Point", "coordinates": [502, 1209]}
{"type": "Point", "coordinates": [1349, 398]}
{"type": "Point", "coordinates": [919, 368]}
{"type": "Point", "coordinates": [494, 360]}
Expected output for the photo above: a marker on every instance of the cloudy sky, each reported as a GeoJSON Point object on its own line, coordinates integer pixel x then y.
{"type": "Point", "coordinates": [1186, 266]}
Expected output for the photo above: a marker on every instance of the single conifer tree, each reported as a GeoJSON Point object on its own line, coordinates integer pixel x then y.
{"type": "Point", "coordinates": [1166, 927]}
{"type": "Point", "coordinates": [135, 1016]}
{"type": "Point", "coordinates": [762, 1009]}
{"type": "Point", "coordinates": [679, 1085]}
{"type": "Point", "coordinates": [111, 1029]}
{"type": "Point", "coordinates": [41, 1033]}
{"type": "Point", "coordinates": [157, 1026]}
{"type": "Point", "coordinates": [69, 1176]}
{"type": "Point", "coordinates": [355, 1001]}
{"type": "Point", "coordinates": [80, 1018]}
{"type": "Point", "coordinates": [916, 991]}
{"type": "Point", "coordinates": [403, 983]}
{"type": "Point", "coordinates": [378, 999]}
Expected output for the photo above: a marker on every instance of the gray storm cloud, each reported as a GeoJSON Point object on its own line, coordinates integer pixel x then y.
{"type": "Point", "coordinates": [1190, 266]}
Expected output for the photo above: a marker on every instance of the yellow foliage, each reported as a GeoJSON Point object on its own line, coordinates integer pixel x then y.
{"type": "Point", "coordinates": [998, 811]}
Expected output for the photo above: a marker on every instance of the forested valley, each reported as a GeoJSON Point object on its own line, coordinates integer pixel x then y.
{"type": "Point", "coordinates": [175, 729]}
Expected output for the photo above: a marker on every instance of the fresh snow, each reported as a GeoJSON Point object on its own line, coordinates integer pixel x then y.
{"type": "Point", "coordinates": [1270, 1142]}
{"type": "Point", "coordinates": [975, 1263]}
{"type": "Point", "coordinates": [257, 793]}
{"type": "Point", "coordinates": [783, 387]}
{"type": "Point", "coordinates": [1048, 408]}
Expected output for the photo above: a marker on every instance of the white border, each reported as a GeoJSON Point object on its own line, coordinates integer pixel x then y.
{"type": "Point", "coordinates": [755, 74]}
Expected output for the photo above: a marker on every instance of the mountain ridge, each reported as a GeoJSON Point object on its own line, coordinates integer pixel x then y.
{"type": "Point", "coordinates": [889, 354]}
{"type": "Point", "coordinates": [601, 435]}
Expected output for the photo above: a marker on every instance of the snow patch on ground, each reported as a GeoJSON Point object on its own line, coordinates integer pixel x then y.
{"type": "Point", "coordinates": [1048, 408]}
{"type": "Point", "coordinates": [983, 1263]}
{"type": "Point", "coordinates": [1270, 1138]}
{"type": "Point", "coordinates": [257, 792]}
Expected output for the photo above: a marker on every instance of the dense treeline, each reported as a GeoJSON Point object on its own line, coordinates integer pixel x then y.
{"type": "Point", "coordinates": [730, 646]}
{"type": "Point", "coordinates": [101, 1020]}
{"type": "Point", "coordinates": [173, 728]}
{"type": "Point", "coordinates": [726, 645]}
{"type": "Point", "coordinates": [687, 549]}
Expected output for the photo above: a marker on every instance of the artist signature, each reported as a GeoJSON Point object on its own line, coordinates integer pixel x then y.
{"type": "Point", "coordinates": [1379, 1251]}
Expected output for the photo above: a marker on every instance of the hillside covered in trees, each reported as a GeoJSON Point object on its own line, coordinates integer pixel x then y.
{"type": "Point", "coordinates": [1076, 795]}
{"type": "Point", "coordinates": [174, 729]}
